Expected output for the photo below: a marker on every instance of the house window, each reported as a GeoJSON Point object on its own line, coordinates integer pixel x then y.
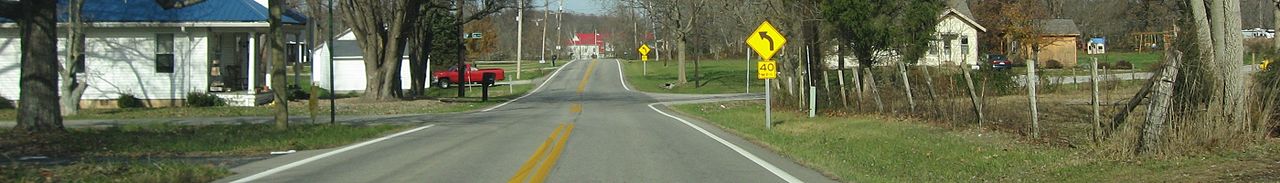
{"type": "Point", "coordinates": [164, 53]}
{"type": "Point", "coordinates": [964, 44]}
{"type": "Point", "coordinates": [79, 62]}
{"type": "Point", "coordinates": [946, 47]}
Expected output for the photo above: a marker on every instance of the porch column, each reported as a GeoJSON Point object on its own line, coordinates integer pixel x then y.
{"type": "Point", "coordinates": [253, 63]}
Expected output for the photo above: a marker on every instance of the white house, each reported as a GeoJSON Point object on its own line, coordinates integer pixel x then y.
{"type": "Point", "coordinates": [587, 45]}
{"type": "Point", "coordinates": [956, 37]}
{"type": "Point", "coordinates": [349, 66]}
{"type": "Point", "coordinates": [955, 40]}
{"type": "Point", "coordinates": [162, 54]}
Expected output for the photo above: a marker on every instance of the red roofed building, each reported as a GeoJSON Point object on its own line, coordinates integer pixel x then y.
{"type": "Point", "coordinates": [589, 45]}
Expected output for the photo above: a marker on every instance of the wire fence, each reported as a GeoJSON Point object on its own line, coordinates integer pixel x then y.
{"type": "Point", "coordinates": [1064, 102]}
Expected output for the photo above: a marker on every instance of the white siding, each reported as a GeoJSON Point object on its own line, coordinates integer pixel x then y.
{"type": "Point", "coordinates": [122, 61]}
{"type": "Point", "coordinates": [351, 75]}
{"type": "Point", "coordinates": [10, 63]}
{"type": "Point", "coordinates": [350, 71]}
{"type": "Point", "coordinates": [958, 53]}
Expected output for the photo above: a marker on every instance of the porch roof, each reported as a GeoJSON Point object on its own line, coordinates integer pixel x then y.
{"type": "Point", "coordinates": [149, 11]}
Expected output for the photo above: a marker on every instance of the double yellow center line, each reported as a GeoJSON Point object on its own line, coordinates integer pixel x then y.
{"type": "Point", "coordinates": [544, 157]}
{"type": "Point", "coordinates": [582, 86]}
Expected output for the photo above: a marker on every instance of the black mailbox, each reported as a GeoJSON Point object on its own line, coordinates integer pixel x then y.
{"type": "Point", "coordinates": [489, 78]}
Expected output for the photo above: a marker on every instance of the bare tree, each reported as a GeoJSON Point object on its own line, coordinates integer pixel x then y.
{"type": "Point", "coordinates": [680, 17]}
{"type": "Point", "coordinates": [72, 87]}
{"type": "Point", "coordinates": [277, 59]}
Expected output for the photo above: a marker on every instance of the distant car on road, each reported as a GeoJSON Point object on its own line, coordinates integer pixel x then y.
{"type": "Point", "coordinates": [474, 75]}
{"type": "Point", "coordinates": [999, 62]}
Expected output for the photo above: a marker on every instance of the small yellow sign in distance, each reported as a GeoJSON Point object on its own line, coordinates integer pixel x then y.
{"type": "Point", "coordinates": [766, 69]}
{"type": "Point", "coordinates": [644, 49]}
{"type": "Point", "coordinates": [766, 40]}
{"type": "Point", "coordinates": [644, 58]}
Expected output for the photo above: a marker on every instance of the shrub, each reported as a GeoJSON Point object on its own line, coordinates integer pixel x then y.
{"type": "Point", "coordinates": [1103, 65]}
{"type": "Point", "coordinates": [200, 99]}
{"type": "Point", "coordinates": [6, 103]}
{"type": "Point", "coordinates": [1053, 64]}
{"type": "Point", "coordinates": [1122, 65]}
{"type": "Point", "coordinates": [297, 93]}
{"type": "Point", "coordinates": [129, 101]}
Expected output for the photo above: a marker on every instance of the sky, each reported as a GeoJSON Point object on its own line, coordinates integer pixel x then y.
{"type": "Point", "coordinates": [580, 6]}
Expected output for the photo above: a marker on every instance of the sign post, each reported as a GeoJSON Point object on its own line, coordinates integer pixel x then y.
{"type": "Point", "coordinates": [644, 58]}
{"type": "Point", "coordinates": [766, 41]}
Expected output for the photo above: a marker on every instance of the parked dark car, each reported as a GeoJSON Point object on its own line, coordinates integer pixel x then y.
{"type": "Point", "coordinates": [999, 62]}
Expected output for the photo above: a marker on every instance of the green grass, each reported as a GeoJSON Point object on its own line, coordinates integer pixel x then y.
{"type": "Point", "coordinates": [497, 94]}
{"type": "Point", "coordinates": [161, 171]}
{"type": "Point", "coordinates": [1141, 61]}
{"type": "Point", "coordinates": [719, 77]}
{"type": "Point", "coordinates": [191, 140]}
{"type": "Point", "coordinates": [146, 148]}
{"type": "Point", "coordinates": [861, 149]}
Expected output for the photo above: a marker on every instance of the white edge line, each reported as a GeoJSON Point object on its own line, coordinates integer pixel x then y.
{"type": "Point", "coordinates": [622, 77]}
{"type": "Point", "coordinates": [322, 156]}
{"type": "Point", "coordinates": [535, 90]}
{"type": "Point", "coordinates": [768, 166]}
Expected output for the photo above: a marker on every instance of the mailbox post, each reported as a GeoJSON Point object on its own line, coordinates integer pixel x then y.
{"type": "Point", "coordinates": [488, 79]}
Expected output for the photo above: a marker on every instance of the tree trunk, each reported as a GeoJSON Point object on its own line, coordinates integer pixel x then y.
{"type": "Point", "coordinates": [420, 51]}
{"type": "Point", "coordinates": [72, 87]}
{"type": "Point", "coordinates": [381, 33]}
{"type": "Point", "coordinates": [680, 50]}
{"type": "Point", "coordinates": [1228, 62]}
{"type": "Point", "coordinates": [276, 9]}
{"type": "Point", "coordinates": [1158, 109]}
{"type": "Point", "coordinates": [1275, 42]}
{"type": "Point", "coordinates": [38, 107]}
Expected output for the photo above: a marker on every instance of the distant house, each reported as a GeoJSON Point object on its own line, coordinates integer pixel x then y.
{"type": "Point", "coordinates": [1059, 38]}
{"type": "Point", "coordinates": [160, 55]}
{"type": "Point", "coordinates": [955, 40]}
{"type": "Point", "coordinates": [589, 45]}
{"type": "Point", "coordinates": [956, 37]}
{"type": "Point", "coordinates": [1258, 33]}
{"type": "Point", "coordinates": [348, 64]}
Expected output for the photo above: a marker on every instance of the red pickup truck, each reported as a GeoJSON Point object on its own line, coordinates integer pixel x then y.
{"type": "Point", "coordinates": [446, 78]}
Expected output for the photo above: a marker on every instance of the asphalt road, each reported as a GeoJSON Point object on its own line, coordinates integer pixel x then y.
{"type": "Point", "coordinates": [582, 125]}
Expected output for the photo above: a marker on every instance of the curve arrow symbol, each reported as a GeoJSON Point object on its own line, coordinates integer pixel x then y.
{"type": "Point", "coordinates": [765, 36]}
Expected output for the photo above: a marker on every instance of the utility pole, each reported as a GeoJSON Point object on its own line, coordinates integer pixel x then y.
{"type": "Point", "coordinates": [559, 35]}
{"type": "Point", "coordinates": [545, 21]}
{"type": "Point", "coordinates": [462, 53]}
{"type": "Point", "coordinates": [333, 105]}
{"type": "Point", "coordinates": [519, 36]}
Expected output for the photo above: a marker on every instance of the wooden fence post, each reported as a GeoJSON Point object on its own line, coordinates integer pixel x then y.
{"type": "Point", "coordinates": [1097, 116]}
{"type": "Point", "coordinates": [973, 95]}
{"type": "Point", "coordinates": [1031, 96]}
{"type": "Point", "coordinates": [906, 85]}
{"type": "Point", "coordinates": [1161, 97]}
{"type": "Point", "coordinates": [933, 96]}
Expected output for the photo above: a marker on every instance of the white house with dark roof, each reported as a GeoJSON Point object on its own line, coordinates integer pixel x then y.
{"type": "Point", "coordinates": [160, 55]}
{"type": "Point", "coordinates": [955, 42]}
{"type": "Point", "coordinates": [956, 37]}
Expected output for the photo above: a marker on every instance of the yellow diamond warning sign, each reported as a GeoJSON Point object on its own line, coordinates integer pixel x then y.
{"type": "Point", "coordinates": [766, 40]}
{"type": "Point", "coordinates": [644, 49]}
